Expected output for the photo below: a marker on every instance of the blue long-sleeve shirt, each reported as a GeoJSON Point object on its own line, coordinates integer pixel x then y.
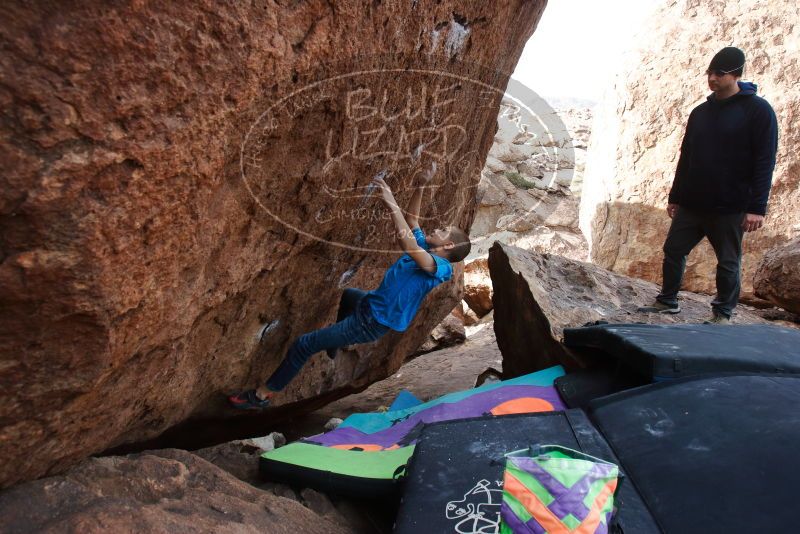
{"type": "Point", "coordinates": [404, 286]}
{"type": "Point", "coordinates": [727, 155]}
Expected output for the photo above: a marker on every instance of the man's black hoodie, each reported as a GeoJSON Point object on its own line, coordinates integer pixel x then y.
{"type": "Point", "coordinates": [727, 155]}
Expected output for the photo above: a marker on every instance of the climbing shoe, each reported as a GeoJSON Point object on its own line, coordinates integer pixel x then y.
{"type": "Point", "coordinates": [660, 307]}
{"type": "Point", "coordinates": [248, 400]}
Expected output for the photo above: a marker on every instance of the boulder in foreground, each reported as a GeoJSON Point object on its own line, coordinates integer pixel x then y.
{"type": "Point", "coordinates": [156, 491]}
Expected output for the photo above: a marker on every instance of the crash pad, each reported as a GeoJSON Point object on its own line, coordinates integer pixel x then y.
{"type": "Point", "coordinates": [663, 352]}
{"type": "Point", "coordinates": [455, 477]}
{"type": "Point", "coordinates": [354, 473]}
{"type": "Point", "coordinates": [711, 454]}
{"type": "Point", "coordinates": [371, 451]}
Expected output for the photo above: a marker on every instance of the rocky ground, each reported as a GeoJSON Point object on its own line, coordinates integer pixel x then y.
{"type": "Point", "coordinates": [218, 488]}
{"type": "Point", "coordinates": [162, 491]}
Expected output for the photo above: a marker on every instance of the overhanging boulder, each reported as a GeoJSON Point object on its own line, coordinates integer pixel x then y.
{"type": "Point", "coordinates": [182, 196]}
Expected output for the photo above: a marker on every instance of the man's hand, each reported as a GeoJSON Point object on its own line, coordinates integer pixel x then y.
{"type": "Point", "coordinates": [752, 222]}
{"type": "Point", "coordinates": [671, 210]}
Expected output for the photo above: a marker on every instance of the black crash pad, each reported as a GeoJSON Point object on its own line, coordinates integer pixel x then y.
{"type": "Point", "coordinates": [579, 388]}
{"type": "Point", "coordinates": [461, 463]}
{"type": "Point", "coordinates": [670, 351]}
{"type": "Point", "coordinates": [712, 454]}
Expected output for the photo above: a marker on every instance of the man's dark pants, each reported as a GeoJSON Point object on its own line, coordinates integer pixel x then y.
{"type": "Point", "coordinates": [724, 232]}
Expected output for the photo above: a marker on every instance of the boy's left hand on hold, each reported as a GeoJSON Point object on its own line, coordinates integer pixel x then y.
{"type": "Point", "coordinates": [428, 173]}
{"type": "Point", "coordinates": [422, 178]}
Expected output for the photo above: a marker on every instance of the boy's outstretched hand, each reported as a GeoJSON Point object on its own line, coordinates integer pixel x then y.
{"type": "Point", "coordinates": [405, 236]}
{"type": "Point", "coordinates": [428, 174]}
{"type": "Point", "coordinates": [386, 191]}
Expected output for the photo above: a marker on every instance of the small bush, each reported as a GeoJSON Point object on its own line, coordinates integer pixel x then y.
{"type": "Point", "coordinates": [518, 180]}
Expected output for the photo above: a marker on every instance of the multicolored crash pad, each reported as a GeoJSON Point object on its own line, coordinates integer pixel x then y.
{"type": "Point", "coordinates": [557, 490]}
{"type": "Point", "coordinates": [367, 453]}
{"type": "Point", "coordinates": [380, 431]}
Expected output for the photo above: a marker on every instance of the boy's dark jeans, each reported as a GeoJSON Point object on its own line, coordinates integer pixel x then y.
{"type": "Point", "coordinates": [355, 325]}
{"type": "Point", "coordinates": [724, 232]}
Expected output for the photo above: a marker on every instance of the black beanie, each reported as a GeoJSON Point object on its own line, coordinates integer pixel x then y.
{"type": "Point", "coordinates": [728, 59]}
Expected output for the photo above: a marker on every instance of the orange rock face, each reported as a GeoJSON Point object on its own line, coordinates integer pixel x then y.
{"type": "Point", "coordinates": [184, 193]}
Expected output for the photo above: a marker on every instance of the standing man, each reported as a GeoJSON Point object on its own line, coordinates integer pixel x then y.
{"type": "Point", "coordinates": [721, 184]}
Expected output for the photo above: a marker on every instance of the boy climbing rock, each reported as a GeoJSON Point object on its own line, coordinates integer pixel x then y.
{"type": "Point", "coordinates": [366, 316]}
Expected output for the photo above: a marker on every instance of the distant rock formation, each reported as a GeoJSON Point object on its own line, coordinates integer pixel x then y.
{"type": "Point", "coordinates": [184, 192]}
{"type": "Point", "coordinates": [537, 295]}
{"type": "Point", "coordinates": [778, 277]}
{"type": "Point", "coordinates": [531, 184]}
{"type": "Point", "coordinates": [639, 127]}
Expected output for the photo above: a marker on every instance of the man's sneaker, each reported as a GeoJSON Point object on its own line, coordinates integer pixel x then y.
{"type": "Point", "coordinates": [248, 400]}
{"type": "Point", "coordinates": [718, 319]}
{"type": "Point", "coordinates": [660, 307]}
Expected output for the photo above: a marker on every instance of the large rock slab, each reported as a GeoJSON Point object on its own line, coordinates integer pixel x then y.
{"type": "Point", "coordinates": [446, 334]}
{"type": "Point", "coordinates": [156, 491]}
{"type": "Point", "coordinates": [180, 179]}
{"type": "Point", "coordinates": [537, 295]}
{"type": "Point", "coordinates": [778, 276]}
{"type": "Point", "coordinates": [640, 123]}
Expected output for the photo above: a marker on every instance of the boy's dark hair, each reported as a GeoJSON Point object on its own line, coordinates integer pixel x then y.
{"type": "Point", "coordinates": [462, 245]}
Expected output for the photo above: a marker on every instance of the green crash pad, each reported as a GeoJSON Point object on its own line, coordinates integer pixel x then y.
{"type": "Point", "coordinates": [357, 473]}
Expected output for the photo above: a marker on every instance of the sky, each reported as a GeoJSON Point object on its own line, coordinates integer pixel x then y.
{"type": "Point", "coordinates": [578, 46]}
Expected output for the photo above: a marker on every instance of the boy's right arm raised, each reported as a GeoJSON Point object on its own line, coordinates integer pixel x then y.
{"type": "Point", "coordinates": [412, 215]}
{"type": "Point", "coordinates": [405, 237]}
